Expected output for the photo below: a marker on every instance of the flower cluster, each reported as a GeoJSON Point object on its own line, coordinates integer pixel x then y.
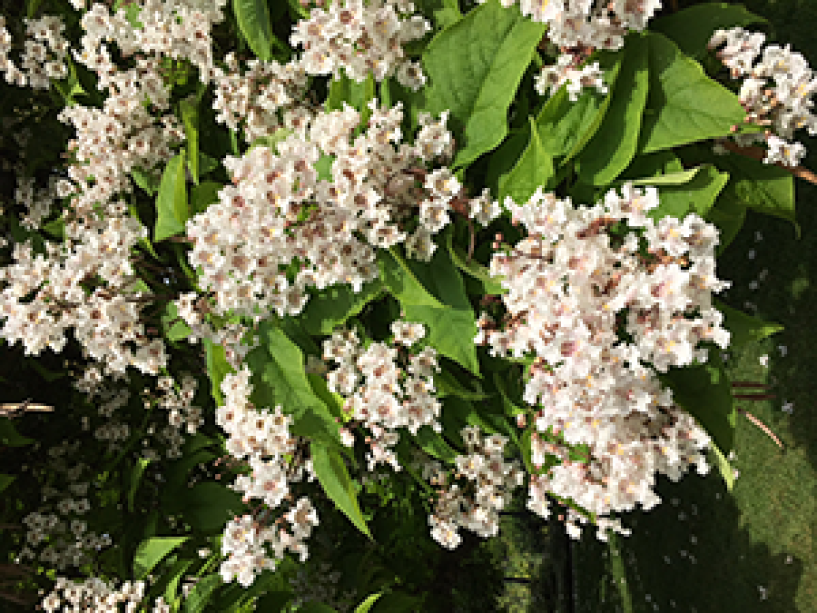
{"type": "Point", "coordinates": [177, 400]}
{"type": "Point", "coordinates": [57, 533]}
{"type": "Point", "coordinates": [319, 583]}
{"type": "Point", "coordinates": [253, 101]}
{"type": "Point", "coordinates": [601, 24]}
{"type": "Point", "coordinates": [380, 395]}
{"type": "Point", "coordinates": [37, 202]}
{"type": "Point", "coordinates": [483, 487]}
{"type": "Point", "coordinates": [93, 595]}
{"type": "Point", "coordinates": [551, 78]}
{"type": "Point", "coordinates": [176, 29]}
{"type": "Point", "coordinates": [325, 199]}
{"type": "Point", "coordinates": [275, 459]}
{"type": "Point", "coordinates": [44, 54]}
{"type": "Point", "coordinates": [105, 321]}
{"type": "Point", "coordinates": [362, 38]}
{"type": "Point", "coordinates": [573, 283]}
{"type": "Point", "coordinates": [776, 91]}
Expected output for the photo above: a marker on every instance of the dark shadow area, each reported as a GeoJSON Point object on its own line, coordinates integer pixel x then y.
{"type": "Point", "coordinates": [689, 554]}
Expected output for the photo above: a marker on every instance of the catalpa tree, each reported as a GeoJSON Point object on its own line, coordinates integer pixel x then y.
{"type": "Point", "coordinates": [308, 292]}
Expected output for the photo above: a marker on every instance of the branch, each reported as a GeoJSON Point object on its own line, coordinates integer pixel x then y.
{"type": "Point", "coordinates": [10, 409]}
{"type": "Point", "coordinates": [762, 426]}
{"type": "Point", "coordinates": [758, 153]}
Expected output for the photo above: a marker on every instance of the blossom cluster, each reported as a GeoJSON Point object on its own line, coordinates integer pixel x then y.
{"type": "Point", "coordinates": [380, 395]}
{"type": "Point", "coordinates": [93, 595]}
{"type": "Point", "coordinates": [326, 199]}
{"type": "Point", "coordinates": [261, 439]}
{"type": "Point", "coordinates": [483, 487]}
{"type": "Point", "coordinates": [44, 55]}
{"type": "Point", "coordinates": [601, 24]}
{"type": "Point", "coordinates": [253, 101]}
{"type": "Point", "coordinates": [362, 38]}
{"type": "Point", "coordinates": [572, 284]}
{"type": "Point", "coordinates": [552, 77]}
{"type": "Point", "coordinates": [776, 91]}
{"type": "Point", "coordinates": [175, 29]}
{"type": "Point", "coordinates": [105, 321]}
{"type": "Point", "coordinates": [58, 533]}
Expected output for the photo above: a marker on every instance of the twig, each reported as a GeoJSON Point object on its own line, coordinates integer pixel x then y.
{"type": "Point", "coordinates": [471, 240]}
{"type": "Point", "coordinates": [758, 153]}
{"type": "Point", "coordinates": [762, 426]}
{"type": "Point", "coordinates": [754, 396]}
{"type": "Point", "coordinates": [10, 409]}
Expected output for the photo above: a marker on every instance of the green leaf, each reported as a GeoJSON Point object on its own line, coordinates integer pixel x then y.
{"type": "Point", "coordinates": [135, 478]}
{"type": "Point", "coordinates": [333, 306]}
{"type": "Point", "coordinates": [563, 123]}
{"type": "Point", "coordinates": [175, 575]}
{"type": "Point", "coordinates": [764, 188]}
{"type": "Point", "coordinates": [203, 195]}
{"type": "Point", "coordinates": [397, 602]}
{"type": "Point", "coordinates": [6, 480]}
{"type": "Point", "coordinates": [728, 215]}
{"type": "Point", "coordinates": [171, 204]}
{"type": "Point", "coordinates": [189, 109]}
{"type": "Point", "coordinates": [693, 27]}
{"type": "Point", "coordinates": [504, 157]}
{"type": "Point", "coordinates": [366, 605]}
{"type": "Point", "coordinates": [199, 596]}
{"type": "Point", "coordinates": [280, 367]}
{"type": "Point", "coordinates": [534, 169]}
{"type": "Point", "coordinates": [217, 368]}
{"type": "Point", "coordinates": [444, 12]}
{"type": "Point", "coordinates": [684, 105]}
{"type": "Point", "coordinates": [152, 551]}
{"type": "Point", "coordinates": [653, 164]}
{"type": "Point", "coordinates": [434, 444]}
{"type": "Point", "coordinates": [355, 94]}
{"type": "Point", "coordinates": [178, 473]}
{"type": "Point", "coordinates": [447, 384]}
{"type": "Point", "coordinates": [332, 400]}
{"type": "Point", "coordinates": [9, 437]}
{"type": "Point", "coordinates": [696, 196]}
{"type": "Point", "coordinates": [254, 22]}
{"type": "Point", "coordinates": [55, 227]}
{"type": "Point", "coordinates": [474, 68]}
{"type": "Point", "coordinates": [207, 163]}
{"type": "Point", "coordinates": [724, 468]}
{"type": "Point", "coordinates": [175, 328]}
{"type": "Point", "coordinates": [279, 378]}
{"type": "Point", "coordinates": [490, 285]}
{"type": "Point", "coordinates": [207, 506]}
{"type": "Point", "coordinates": [335, 481]}
{"type": "Point", "coordinates": [132, 11]}
{"type": "Point", "coordinates": [614, 144]}
{"type": "Point", "coordinates": [273, 602]}
{"type": "Point", "coordinates": [147, 180]}
{"type": "Point", "coordinates": [610, 63]}
{"type": "Point", "coordinates": [324, 167]}
{"type": "Point", "coordinates": [673, 178]}
{"type": "Point", "coordinates": [706, 393]}
{"type": "Point", "coordinates": [434, 294]}
{"type": "Point", "coordinates": [745, 328]}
